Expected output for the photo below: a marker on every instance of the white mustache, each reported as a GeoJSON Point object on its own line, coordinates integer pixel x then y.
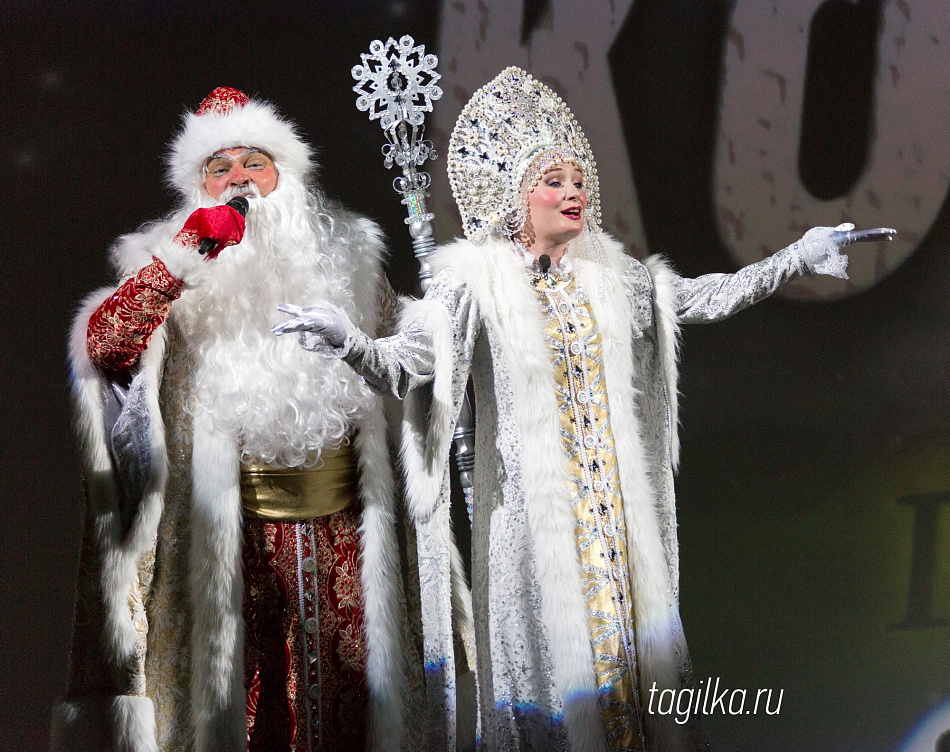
{"type": "Point", "coordinates": [240, 190]}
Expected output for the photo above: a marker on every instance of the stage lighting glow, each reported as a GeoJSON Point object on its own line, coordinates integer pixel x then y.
{"type": "Point", "coordinates": [932, 728]}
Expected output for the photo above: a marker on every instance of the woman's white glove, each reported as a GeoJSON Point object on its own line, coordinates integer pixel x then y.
{"type": "Point", "coordinates": [322, 328]}
{"type": "Point", "coordinates": [820, 246]}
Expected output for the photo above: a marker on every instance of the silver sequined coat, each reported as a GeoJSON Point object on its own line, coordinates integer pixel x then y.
{"type": "Point", "coordinates": [532, 651]}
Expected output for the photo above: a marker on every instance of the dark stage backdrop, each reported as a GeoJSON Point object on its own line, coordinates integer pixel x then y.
{"type": "Point", "coordinates": [815, 489]}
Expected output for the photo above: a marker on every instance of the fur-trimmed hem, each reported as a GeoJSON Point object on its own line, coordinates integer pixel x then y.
{"type": "Point", "coordinates": [183, 262]}
{"type": "Point", "coordinates": [654, 606]}
{"type": "Point", "coordinates": [429, 421]}
{"type": "Point", "coordinates": [104, 723]}
{"type": "Point", "coordinates": [157, 239]}
{"type": "Point", "coordinates": [120, 550]}
{"type": "Point", "coordinates": [495, 275]}
{"type": "Point", "coordinates": [215, 589]}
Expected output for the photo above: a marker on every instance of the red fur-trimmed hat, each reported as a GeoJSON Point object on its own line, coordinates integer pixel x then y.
{"type": "Point", "coordinates": [227, 118]}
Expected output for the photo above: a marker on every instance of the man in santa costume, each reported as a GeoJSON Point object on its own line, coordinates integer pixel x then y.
{"type": "Point", "coordinates": [239, 583]}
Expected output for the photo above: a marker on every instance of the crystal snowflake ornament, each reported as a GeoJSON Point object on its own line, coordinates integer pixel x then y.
{"type": "Point", "coordinates": [396, 82]}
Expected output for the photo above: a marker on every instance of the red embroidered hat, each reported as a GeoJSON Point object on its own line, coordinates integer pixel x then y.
{"type": "Point", "coordinates": [222, 100]}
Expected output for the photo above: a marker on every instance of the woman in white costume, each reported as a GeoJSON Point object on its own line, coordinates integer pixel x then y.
{"type": "Point", "coordinates": [571, 346]}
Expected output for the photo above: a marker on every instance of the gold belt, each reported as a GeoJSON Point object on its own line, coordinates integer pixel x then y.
{"type": "Point", "coordinates": [295, 494]}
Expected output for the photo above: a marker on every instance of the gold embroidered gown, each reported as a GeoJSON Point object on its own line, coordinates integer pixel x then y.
{"type": "Point", "coordinates": [576, 349]}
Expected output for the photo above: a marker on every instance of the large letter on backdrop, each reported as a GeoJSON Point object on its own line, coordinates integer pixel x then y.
{"type": "Point", "coordinates": [760, 201]}
{"type": "Point", "coordinates": [568, 51]}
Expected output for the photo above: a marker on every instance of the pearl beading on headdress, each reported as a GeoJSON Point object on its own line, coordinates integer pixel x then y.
{"type": "Point", "coordinates": [509, 134]}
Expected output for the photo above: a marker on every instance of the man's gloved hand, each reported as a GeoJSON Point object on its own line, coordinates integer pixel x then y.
{"type": "Point", "coordinates": [321, 327]}
{"type": "Point", "coordinates": [820, 245]}
{"type": "Point", "coordinates": [222, 224]}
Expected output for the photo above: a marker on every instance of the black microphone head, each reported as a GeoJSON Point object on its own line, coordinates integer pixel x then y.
{"type": "Point", "coordinates": [240, 205]}
{"type": "Point", "coordinates": [544, 261]}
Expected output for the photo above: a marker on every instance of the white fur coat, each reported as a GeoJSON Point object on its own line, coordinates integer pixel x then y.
{"type": "Point", "coordinates": [534, 663]}
{"type": "Point", "coordinates": [110, 707]}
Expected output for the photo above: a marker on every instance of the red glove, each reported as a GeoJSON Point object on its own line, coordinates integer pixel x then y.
{"type": "Point", "coordinates": [221, 224]}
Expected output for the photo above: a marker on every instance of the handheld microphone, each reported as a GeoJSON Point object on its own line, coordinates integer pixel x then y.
{"type": "Point", "coordinates": [240, 205]}
{"type": "Point", "coordinates": [544, 261]}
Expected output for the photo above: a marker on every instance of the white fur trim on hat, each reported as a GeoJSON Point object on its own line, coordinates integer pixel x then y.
{"type": "Point", "coordinates": [256, 124]}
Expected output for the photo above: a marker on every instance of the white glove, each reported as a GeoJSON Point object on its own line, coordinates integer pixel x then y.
{"type": "Point", "coordinates": [820, 245]}
{"type": "Point", "coordinates": [321, 327]}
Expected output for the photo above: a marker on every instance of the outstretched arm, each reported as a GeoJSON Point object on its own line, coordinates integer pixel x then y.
{"type": "Point", "coordinates": [390, 365]}
{"type": "Point", "coordinates": [714, 297]}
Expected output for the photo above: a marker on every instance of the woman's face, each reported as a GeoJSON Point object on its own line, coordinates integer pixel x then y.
{"type": "Point", "coordinates": [556, 207]}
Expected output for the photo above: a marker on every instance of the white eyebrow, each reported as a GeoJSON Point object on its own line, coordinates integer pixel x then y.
{"type": "Point", "coordinates": [224, 155]}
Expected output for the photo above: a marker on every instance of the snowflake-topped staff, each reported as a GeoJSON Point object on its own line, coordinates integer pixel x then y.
{"type": "Point", "coordinates": [396, 84]}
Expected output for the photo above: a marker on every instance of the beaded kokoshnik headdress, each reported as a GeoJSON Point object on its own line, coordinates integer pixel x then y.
{"type": "Point", "coordinates": [511, 131]}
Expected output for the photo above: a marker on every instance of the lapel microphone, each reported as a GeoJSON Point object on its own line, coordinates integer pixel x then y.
{"type": "Point", "coordinates": [544, 261]}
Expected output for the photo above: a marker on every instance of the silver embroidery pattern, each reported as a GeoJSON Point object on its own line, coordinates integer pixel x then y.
{"type": "Point", "coordinates": [713, 297]}
{"type": "Point", "coordinates": [518, 704]}
{"type": "Point", "coordinates": [520, 708]}
{"type": "Point", "coordinates": [393, 365]}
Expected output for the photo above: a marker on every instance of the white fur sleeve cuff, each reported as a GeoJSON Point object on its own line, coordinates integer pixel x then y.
{"type": "Point", "coordinates": [183, 262]}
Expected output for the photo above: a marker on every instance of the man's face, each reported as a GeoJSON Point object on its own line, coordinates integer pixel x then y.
{"type": "Point", "coordinates": [237, 171]}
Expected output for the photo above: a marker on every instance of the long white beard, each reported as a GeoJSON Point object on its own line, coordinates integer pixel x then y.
{"type": "Point", "coordinates": [282, 403]}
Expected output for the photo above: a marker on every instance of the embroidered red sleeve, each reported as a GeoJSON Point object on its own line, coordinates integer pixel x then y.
{"type": "Point", "coordinates": [121, 327]}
